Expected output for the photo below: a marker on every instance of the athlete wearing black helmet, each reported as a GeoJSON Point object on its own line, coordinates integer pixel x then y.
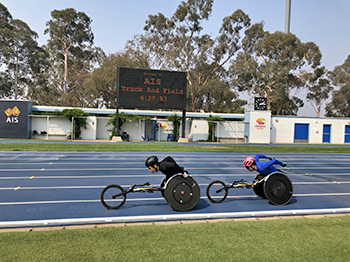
{"type": "Point", "coordinates": [167, 166]}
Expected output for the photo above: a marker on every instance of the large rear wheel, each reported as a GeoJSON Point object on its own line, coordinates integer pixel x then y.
{"type": "Point", "coordinates": [278, 189]}
{"type": "Point", "coordinates": [182, 193]}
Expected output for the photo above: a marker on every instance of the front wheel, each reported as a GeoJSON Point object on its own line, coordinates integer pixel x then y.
{"type": "Point", "coordinates": [113, 196]}
{"type": "Point", "coordinates": [217, 191]}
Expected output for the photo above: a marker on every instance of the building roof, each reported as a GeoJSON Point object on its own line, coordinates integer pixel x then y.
{"type": "Point", "coordinates": [151, 113]}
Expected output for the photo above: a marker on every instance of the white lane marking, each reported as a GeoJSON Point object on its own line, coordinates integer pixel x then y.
{"type": "Point", "coordinates": [290, 169]}
{"type": "Point", "coordinates": [152, 199]}
{"type": "Point", "coordinates": [161, 175]}
{"type": "Point", "coordinates": [203, 185]}
{"type": "Point", "coordinates": [72, 201]}
{"type": "Point", "coordinates": [72, 169]}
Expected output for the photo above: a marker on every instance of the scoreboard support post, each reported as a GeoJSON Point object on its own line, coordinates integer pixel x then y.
{"type": "Point", "coordinates": [183, 123]}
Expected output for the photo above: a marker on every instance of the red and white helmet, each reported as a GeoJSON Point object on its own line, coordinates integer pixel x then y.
{"type": "Point", "coordinates": [248, 161]}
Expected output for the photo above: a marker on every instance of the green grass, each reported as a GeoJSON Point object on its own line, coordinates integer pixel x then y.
{"type": "Point", "coordinates": [171, 147]}
{"type": "Point", "coordinates": [323, 239]}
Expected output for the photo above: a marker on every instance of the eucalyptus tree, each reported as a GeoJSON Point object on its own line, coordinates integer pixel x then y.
{"type": "Point", "coordinates": [23, 61]}
{"type": "Point", "coordinates": [177, 43]}
{"type": "Point", "coordinates": [271, 65]}
{"type": "Point", "coordinates": [100, 86]}
{"type": "Point", "coordinates": [72, 55]}
{"type": "Point", "coordinates": [5, 26]}
{"type": "Point", "coordinates": [319, 88]}
{"type": "Point", "coordinates": [339, 106]}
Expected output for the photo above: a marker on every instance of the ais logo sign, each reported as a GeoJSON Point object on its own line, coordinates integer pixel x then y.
{"type": "Point", "coordinates": [14, 119]}
{"type": "Point", "coordinates": [12, 115]}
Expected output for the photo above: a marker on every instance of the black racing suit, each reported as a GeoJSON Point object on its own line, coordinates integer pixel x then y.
{"type": "Point", "coordinates": [169, 167]}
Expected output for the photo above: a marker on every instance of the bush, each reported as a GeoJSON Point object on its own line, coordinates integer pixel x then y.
{"type": "Point", "coordinates": [79, 121]}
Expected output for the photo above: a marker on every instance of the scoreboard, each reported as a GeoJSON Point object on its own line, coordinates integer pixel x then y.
{"type": "Point", "coordinates": [152, 89]}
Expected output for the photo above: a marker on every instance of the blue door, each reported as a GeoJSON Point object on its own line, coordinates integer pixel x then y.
{"type": "Point", "coordinates": [301, 133]}
{"type": "Point", "coordinates": [326, 134]}
{"type": "Point", "coordinates": [347, 134]}
{"type": "Point", "coordinates": [154, 130]}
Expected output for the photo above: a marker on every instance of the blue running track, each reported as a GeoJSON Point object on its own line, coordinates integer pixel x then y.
{"type": "Point", "coordinates": [63, 188]}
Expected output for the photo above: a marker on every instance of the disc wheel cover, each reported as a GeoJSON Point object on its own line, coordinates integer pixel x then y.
{"type": "Point", "coordinates": [278, 189]}
{"type": "Point", "coordinates": [182, 194]}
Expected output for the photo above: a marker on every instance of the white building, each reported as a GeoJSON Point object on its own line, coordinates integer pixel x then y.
{"type": "Point", "coordinates": [251, 127]}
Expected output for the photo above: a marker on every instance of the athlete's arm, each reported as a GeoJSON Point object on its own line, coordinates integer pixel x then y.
{"type": "Point", "coordinates": [258, 156]}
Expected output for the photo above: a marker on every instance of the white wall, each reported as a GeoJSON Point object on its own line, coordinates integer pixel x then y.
{"type": "Point", "coordinates": [90, 132]}
{"type": "Point", "coordinates": [224, 130]}
{"type": "Point", "coordinates": [199, 130]}
{"type": "Point", "coordinates": [259, 126]}
{"type": "Point", "coordinates": [101, 128]}
{"type": "Point", "coordinates": [275, 129]}
{"type": "Point", "coordinates": [39, 124]}
{"type": "Point", "coordinates": [56, 127]}
{"type": "Point", "coordinates": [282, 130]}
{"type": "Point", "coordinates": [231, 131]}
{"type": "Point", "coordinates": [135, 129]}
{"type": "Point", "coordinates": [59, 125]}
{"type": "Point", "coordinates": [165, 127]}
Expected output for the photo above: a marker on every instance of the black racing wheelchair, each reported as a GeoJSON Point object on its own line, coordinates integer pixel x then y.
{"type": "Point", "coordinates": [276, 187]}
{"type": "Point", "coordinates": [180, 191]}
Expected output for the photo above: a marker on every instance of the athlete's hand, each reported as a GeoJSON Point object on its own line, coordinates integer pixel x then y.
{"type": "Point", "coordinates": [284, 164]}
{"type": "Point", "coordinates": [271, 157]}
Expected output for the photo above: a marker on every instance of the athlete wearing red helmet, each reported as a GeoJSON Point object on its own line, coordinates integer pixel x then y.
{"type": "Point", "coordinates": [248, 161]}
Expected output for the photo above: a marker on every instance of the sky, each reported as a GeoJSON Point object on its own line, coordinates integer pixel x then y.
{"type": "Point", "coordinates": [324, 22]}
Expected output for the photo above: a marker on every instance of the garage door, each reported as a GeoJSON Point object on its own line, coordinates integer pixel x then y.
{"type": "Point", "coordinates": [301, 133]}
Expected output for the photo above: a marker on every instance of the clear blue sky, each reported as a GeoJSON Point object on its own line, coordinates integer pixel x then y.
{"type": "Point", "coordinates": [324, 22]}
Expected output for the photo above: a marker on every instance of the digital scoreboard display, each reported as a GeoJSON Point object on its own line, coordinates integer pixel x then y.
{"type": "Point", "coordinates": [147, 88]}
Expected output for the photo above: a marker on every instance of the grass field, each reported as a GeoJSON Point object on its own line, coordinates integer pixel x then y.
{"type": "Point", "coordinates": [297, 239]}
{"type": "Point", "coordinates": [171, 147]}
{"type": "Point", "coordinates": [322, 239]}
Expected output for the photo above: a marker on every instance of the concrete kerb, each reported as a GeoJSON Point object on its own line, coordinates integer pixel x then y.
{"type": "Point", "coordinates": [165, 223]}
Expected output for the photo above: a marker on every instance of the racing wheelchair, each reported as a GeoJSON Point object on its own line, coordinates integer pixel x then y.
{"type": "Point", "coordinates": [180, 191]}
{"type": "Point", "coordinates": [276, 187]}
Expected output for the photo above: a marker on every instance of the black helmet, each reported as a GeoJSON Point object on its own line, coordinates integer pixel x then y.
{"type": "Point", "coordinates": [150, 161]}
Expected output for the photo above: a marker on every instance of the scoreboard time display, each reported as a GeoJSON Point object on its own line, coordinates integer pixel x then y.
{"type": "Point", "coordinates": [147, 88]}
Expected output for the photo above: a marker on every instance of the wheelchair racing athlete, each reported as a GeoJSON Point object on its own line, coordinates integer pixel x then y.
{"type": "Point", "coordinates": [264, 168]}
{"type": "Point", "coordinates": [183, 191]}
{"type": "Point", "coordinates": [167, 166]}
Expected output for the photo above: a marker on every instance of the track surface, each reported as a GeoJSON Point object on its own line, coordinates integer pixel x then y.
{"type": "Point", "coordinates": [63, 188]}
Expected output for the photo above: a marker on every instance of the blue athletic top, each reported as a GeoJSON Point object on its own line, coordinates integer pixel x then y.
{"type": "Point", "coordinates": [266, 168]}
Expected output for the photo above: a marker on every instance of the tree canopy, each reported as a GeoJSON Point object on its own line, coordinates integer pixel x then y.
{"type": "Point", "coordinates": [270, 65]}
{"type": "Point", "coordinates": [176, 43]}
{"type": "Point", "coordinates": [20, 56]}
{"type": "Point", "coordinates": [71, 54]}
{"type": "Point", "coordinates": [340, 102]}
{"type": "Point", "coordinates": [240, 58]}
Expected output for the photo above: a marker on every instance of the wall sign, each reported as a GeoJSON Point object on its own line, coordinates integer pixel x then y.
{"type": "Point", "coordinates": [14, 121]}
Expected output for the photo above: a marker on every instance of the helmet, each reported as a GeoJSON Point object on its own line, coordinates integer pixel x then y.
{"type": "Point", "coordinates": [248, 161]}
{"type": "Point", "coordinates": [150, 161]}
